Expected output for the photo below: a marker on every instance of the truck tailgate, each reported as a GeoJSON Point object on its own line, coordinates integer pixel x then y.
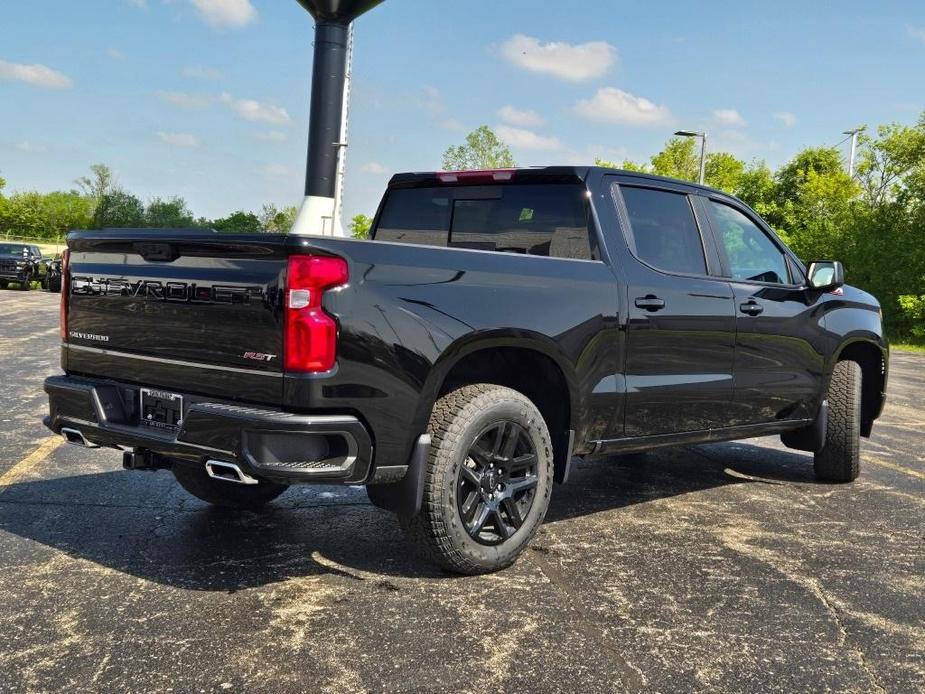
{"type": "Point", "coordinates": [193, 311]}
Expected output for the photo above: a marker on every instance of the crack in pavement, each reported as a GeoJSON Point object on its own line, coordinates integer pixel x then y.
{"type": "Point", "coordinates": [585, 622]}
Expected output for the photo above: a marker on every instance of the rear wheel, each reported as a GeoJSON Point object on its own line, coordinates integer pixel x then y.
{"type": "Point", "coordinates": [195, 480]}
{"type": "Point", "coordinates": [839, 460]}
{"type": "Point", "coordinates": [488, 479]}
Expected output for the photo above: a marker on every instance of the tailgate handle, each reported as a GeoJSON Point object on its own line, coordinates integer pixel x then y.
{"type": "Point", "coordinates": [154, 252]}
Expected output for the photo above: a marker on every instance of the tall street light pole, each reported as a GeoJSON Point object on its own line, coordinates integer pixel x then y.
{"type": "Point", "coordinates": [703, 149]}
{"type": "Point", "coordinates": [854, 147]}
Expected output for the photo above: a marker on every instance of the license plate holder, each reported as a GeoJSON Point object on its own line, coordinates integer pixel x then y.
{"type": "Point", "coordinates": [161, 409]}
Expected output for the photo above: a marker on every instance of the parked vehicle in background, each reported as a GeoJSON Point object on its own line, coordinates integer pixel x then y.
{"type": "Point", "coordinates": [52, 280]}
{"type": "Point", "coordinates": [21, 263]}
{"type": "Point", "coordinates": [498, 324]}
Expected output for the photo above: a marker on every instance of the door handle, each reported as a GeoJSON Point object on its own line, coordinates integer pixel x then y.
{"type": "Point", "coordinates": [650, 302]}
{"type": "Point", "coordinates": [752, 308]}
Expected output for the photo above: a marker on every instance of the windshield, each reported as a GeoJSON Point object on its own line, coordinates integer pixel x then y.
{"type": "Point", "coordinates": [12, 249]}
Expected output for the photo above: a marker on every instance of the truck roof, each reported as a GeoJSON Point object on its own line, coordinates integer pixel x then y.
{"type": "Point", "coordinates": [534, 174]}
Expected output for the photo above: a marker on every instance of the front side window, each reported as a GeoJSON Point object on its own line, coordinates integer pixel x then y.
{"type": "Point", "coordinates": [665, 230]}
{"type": "Point", "coordinates": [752, 256]}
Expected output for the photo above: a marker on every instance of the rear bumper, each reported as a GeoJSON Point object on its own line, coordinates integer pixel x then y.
{"type": "Point", "coordinates": [274, 445]}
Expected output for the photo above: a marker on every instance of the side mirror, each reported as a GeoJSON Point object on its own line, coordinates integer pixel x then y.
{"type": "Point", "coordinates": [826, 275]}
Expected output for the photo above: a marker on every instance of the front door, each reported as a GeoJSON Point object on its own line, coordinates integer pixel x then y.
{"type": "Point", "coordinates": [780, 330]}
{"type": "Point", "coordinates": [680, 343]}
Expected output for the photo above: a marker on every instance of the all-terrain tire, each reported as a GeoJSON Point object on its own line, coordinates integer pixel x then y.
{"type": "Point", "coordinates": [840, 457]}
{"type": "Point", "coordinates": [195, 480]}
{"type": "Point", "coordinates": [455, 423]}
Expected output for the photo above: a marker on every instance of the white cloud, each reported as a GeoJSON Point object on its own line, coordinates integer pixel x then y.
{"type": "Point", "coordinates": [137, 3]}
{"type": "Point", "coordinates": [226, 14]}
{"type": "Point", "coordinates": [519, 138]}
{"type": "Point", "coordinates": [37, 75]}
{"type": "Point", "coordinates": [611, 105]}
{"type": "Point", "coordinates": [432, 101]}
{"type": "Point", "coordinates": [253, 110]}
{"type": "Point", "coordinates": [916, 32]}
{"type": "Point", "coordinates": [178, 139]}
{"type": "Point", "coordinates": [31, 147]}
{"type": "Point", "coordinates": [452, 124]}
{"type": "Point", "coordinates": [202, 72]}
{"type": "Point", "coordinates": [729, 116]}
{"type": "Point", "coordinates": [183, 99]}
{"type": "Point", "coordinates": [523, 119]}
{"type": "Point", "coordinates": [272, 136]}
{"type": "Point", "coordinates": [115, 54]}
{"type": "Point", "coordinates": [572, 62]}
{"type": "Point", "coordinates": [375, 167]}
{"type": "Point", "coordinates": [786, 118]}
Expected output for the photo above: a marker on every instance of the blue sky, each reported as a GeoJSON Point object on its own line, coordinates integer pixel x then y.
{"type": "Point", "coordinates": [208, 99]}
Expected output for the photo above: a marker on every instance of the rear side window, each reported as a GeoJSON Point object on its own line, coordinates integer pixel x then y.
{"type": "Point", "coordinates": [665, 230]}
{"type": "Point", "coordinates": [751, 254]}
{"type": "Point", "coordinates": [539, 219]}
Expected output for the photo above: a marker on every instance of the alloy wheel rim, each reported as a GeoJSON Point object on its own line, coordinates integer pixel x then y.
{"type": "Point", "coordinates": [496, 483]}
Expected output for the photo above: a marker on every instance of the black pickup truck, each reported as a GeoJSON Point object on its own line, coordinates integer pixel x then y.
{"type": "Point", "coordinates": [22, 263]}
{"type": "Point", "coordinates": [499, 324]}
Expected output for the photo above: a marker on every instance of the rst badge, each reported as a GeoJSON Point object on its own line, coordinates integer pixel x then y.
{"type": "Point", "coordinates": [258, 356]}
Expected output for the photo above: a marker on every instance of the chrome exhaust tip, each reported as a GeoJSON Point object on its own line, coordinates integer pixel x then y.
{"type": "Point", "coordinates": [228, 472]}
{"type": "Point", "coordinates": [77, 438]}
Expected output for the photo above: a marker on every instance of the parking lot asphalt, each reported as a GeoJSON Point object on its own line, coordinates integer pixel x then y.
{"type": "Point", "coordinates": [721, 567]}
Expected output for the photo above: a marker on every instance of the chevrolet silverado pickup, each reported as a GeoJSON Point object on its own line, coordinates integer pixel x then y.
{"type": "Point", "coordinates": [498, 325]}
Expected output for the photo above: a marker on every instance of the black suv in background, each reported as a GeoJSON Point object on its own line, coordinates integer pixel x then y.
{"type": "Point", "coordinates": [499, 324]}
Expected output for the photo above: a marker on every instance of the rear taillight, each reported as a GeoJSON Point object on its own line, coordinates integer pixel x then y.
{"type": "Point", "coordinates": [65, 291]}
{"type": "Point", "coordinates": [310, 343]}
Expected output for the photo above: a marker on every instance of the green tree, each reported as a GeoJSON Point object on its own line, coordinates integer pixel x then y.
{"type": "Point", "coordinates": [482, 150]}
{"type": "Point", "coordinates": [119, 209]}
{"type": "Point", "coordinates": [274, 220]}
{"type": "Point", "coordinates": [627, 165]}
{"type": "Point", "coordinates": [360, 225]}
{"type": "Point", "coordinates": [240, 221]}
{"type": "Point", "coordinates": [723, 171]}
{"type": "Point", "coordinates": [98, 184]}
{"type": "Point", "coordinates": [757, 188]}
{"type": "Point", "coordinates": [171, 213]}
{"type": "Point", "coordinates": [679, 158]}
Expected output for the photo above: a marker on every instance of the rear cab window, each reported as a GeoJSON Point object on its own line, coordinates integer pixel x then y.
{"type": "Point", "coordinates": [539, 219]}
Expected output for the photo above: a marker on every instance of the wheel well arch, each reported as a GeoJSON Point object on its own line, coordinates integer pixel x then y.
{"type": "Point", "coordinates": [872, 361]}
{"type": "Point", "coordinates": [526, 367]}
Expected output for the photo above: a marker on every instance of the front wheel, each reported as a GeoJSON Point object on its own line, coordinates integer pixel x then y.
{"type": "Point", "coordinates": [195, 480]}
{"type": "Point", "coordinates": [488, 479]}
{"type": "Point", "coordinates": [839, 460]}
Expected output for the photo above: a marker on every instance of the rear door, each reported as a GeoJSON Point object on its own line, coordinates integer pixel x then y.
{"type": "Point", "coordinates": [681, 328]}
{"type": "Point", "coordinates": [780, 330]}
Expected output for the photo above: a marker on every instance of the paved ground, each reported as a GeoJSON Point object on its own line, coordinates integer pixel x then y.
{"type": "Point", "coordinates": [722, 567]}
